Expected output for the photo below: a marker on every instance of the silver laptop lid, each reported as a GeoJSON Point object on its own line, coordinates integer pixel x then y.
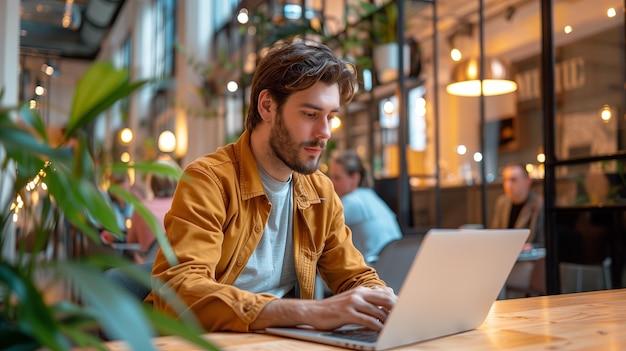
{"type": "Point", "coordinates": [452, 283]}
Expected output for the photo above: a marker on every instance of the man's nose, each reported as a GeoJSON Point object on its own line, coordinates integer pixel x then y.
{"type": "Point", "coordinates": [323, 129]}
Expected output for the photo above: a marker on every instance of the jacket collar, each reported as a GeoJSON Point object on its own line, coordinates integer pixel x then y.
{"type": "Point", "coordinates": [305, 193]}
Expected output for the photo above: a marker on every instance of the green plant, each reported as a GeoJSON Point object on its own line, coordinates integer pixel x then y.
{"type": "Point", "coordinates": [65, 179]}
{"type": "Point", "coordinates": [384, 21]}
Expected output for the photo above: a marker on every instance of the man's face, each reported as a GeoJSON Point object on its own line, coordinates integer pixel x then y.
{"type": "Point", "coordinates": [301, 127]}
{"type": "Point", "coordinates": [515, 183]}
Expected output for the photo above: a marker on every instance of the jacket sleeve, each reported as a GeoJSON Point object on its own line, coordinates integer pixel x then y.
{"type": "Point", "coordinates": [202, 278]}
{"type": "Point", "coordinates": [341, 264]}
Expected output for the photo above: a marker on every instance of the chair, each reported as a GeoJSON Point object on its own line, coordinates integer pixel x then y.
{"type": "Point", "coordinates": [123, 277]}
{"type": "Point", "coordinates": [128, 249]}
{"type": "Point", "coordinates": [394, 260]}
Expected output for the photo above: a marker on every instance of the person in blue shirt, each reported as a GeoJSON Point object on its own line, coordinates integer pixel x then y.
{"type": "Point", "coordinates": [372, 222]}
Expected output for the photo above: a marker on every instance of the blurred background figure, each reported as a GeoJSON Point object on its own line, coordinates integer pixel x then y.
{"type": "Point", "coordinates": [372, 222]}
{"type": "Point", "coordinates": [158, 204]}
{"type": "Point", "coordinates": [520, 207]}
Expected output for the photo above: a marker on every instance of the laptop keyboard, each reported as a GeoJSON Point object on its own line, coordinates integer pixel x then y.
{"type": "Point", "coordinates": [361, 334]}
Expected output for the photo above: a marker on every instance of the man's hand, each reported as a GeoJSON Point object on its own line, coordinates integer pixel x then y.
{"type": "Point", "coordinates": [368, 307]}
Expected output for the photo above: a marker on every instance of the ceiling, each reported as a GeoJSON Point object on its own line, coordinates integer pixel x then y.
{"type": "Point", "coordinates": [66, 28]}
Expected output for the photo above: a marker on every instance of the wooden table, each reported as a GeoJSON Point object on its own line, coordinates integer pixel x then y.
{"type": "Point", "coordinates": [581, 321]}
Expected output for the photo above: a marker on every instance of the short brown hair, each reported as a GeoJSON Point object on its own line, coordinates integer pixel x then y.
{"type": "Point", "coordinates": [352, 163]}
{"type": "Point", "coordinates": [294, 65]}
{"type": "Point", "coordinates": [518, 165]}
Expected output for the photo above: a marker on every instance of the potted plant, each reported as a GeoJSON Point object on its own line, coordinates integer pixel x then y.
{"type": "Point", "coordinates": [383, 34]}
{"type": "Point", "coordinates": [65, 180]}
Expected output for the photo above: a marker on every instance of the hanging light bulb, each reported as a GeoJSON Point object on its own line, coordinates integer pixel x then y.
{"type": "Point", "coordinates": [456, 55]}
{"type": "Point", "coordinates": [126, 135]}
{"type": "Point", "coordinates": [497, 80]}
{"type": "Point", "coordinates": [606, 113]}
{"type": "Point", "coordinates": [167, 141]}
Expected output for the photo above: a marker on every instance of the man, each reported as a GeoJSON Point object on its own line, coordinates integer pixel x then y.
{"type": "Point", "coordinates": [254, 221]}
{"type": "Point", "coordinates": [520, 207]}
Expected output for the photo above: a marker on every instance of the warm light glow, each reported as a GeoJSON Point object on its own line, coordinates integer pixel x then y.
{"type": "Point", "coordinates": [167, 141]}
{"type": "Point", "coordinates": [567, 29]}
{"type": "Point", "coordinates": [388, 107]}
{"type": "Point", "coordinates": [530, 168]}
{"type": "Point", "coordinates": [40, 91]}
{"type": "Point", "coordinates": [465, 80]}
{"type": "Point", "coordinates": [611, 12]}
{"type": "Point", "coordinates": [242, 16]}
{"type": "Point", "coordinates": [67, 15]}
{"type": "Point", "coordinates": [128, 223]}
{"type": "Point", "coordinates": [491, 87]}
{"type": "Point", "coordinates": [232, 86]}
{"type": "Point", "coordinates": [478, 156]}
{"type": "Point", "coordinates": [461, 149]}
{"type": "Point", "coordinates": [47, 69]}
{"type": "Point", "coordinates": [541, 158]}
{"type": "Point", "coordinates": [125, 157]}
{"type": "Point", "coordinates": [126, 135]}
{"type": "Point", "coordinates": [32, 104]}
{"type": "Point", "coordinates": [456, 55]}
{"type": "Point", "coordinates": [335, 123]}
{"type": "Point", "coordinates": [606, 113]}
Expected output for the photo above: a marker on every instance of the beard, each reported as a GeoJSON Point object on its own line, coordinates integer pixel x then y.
{"type": "Point", "coordinates": [288, 150]}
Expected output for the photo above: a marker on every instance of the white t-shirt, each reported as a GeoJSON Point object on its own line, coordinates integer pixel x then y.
{"type": "Point", "coordinates": [271, 268]}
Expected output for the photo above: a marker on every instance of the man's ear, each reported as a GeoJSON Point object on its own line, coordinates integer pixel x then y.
{"type": "Point", "coordinates": [265, 105]}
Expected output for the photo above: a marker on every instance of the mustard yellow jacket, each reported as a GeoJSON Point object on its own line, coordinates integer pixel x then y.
{"type": "Point", "coordinates": [217, 217]}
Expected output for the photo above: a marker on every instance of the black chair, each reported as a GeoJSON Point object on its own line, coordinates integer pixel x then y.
{"type": "Point", "coordinates": [128, 277]}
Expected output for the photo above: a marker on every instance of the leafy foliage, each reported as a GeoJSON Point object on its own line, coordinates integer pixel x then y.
{"type": "Point", "coordinates": [65, 178]}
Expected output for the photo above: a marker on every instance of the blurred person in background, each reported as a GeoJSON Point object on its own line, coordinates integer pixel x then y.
{"type": "Point", "coordinates": [520, 207]}
{"type": "Point", "coordinates": [158, 204]}
{"type": "Point", "coordinates": [372, 222]}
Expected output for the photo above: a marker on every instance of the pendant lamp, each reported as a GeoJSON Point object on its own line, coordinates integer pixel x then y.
{"type": "Point", "coordinates": [497, 80]}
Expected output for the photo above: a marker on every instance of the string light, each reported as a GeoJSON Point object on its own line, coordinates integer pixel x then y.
{"type": "Point", "coordinates": [31, 186]}
{"type": "Point", "coordinates": [126, 135]}
{"type": "Point", "coordinates": [242, 16]}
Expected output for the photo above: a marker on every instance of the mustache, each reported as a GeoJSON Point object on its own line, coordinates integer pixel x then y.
{"type": "Point", "coordinates": [314, 143]}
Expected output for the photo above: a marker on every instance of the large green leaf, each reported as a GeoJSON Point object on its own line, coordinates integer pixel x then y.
{"type": "Point", "coordinates": [156, 168]}
{"type": "Point", "coordinates": [35, 319]}
{"type": "Point", "coordinates": [35, 121]}
{"type": "Point", "coordinates": [100, 87]}
{"type": "Point", "coordinates": [18, 140]}
{"type": "Point", "coordinates": [119, 313]}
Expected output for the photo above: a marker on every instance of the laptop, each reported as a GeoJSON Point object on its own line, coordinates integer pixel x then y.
{"type": "Point", "coordinates": [454, 279]}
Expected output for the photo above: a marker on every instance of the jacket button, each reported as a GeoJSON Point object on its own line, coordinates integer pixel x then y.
{"type": "Point", "coordinates": [239, 263]}
{"type": "Point", "coordinates": [257, 228]}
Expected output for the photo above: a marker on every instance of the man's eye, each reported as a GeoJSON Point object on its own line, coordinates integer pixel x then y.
{"type": "Point", "coordinates": [310, 114]}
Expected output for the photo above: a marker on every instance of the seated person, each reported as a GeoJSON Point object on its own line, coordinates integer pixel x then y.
{"type": "Point", "coordinates": [372, 222]}
{"type": "Point", "coordinates": [163, 190]}
{"type": "Point", "coordinates": [252, 222]}
{"type": "Point", "coordinates": [519, 207]}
